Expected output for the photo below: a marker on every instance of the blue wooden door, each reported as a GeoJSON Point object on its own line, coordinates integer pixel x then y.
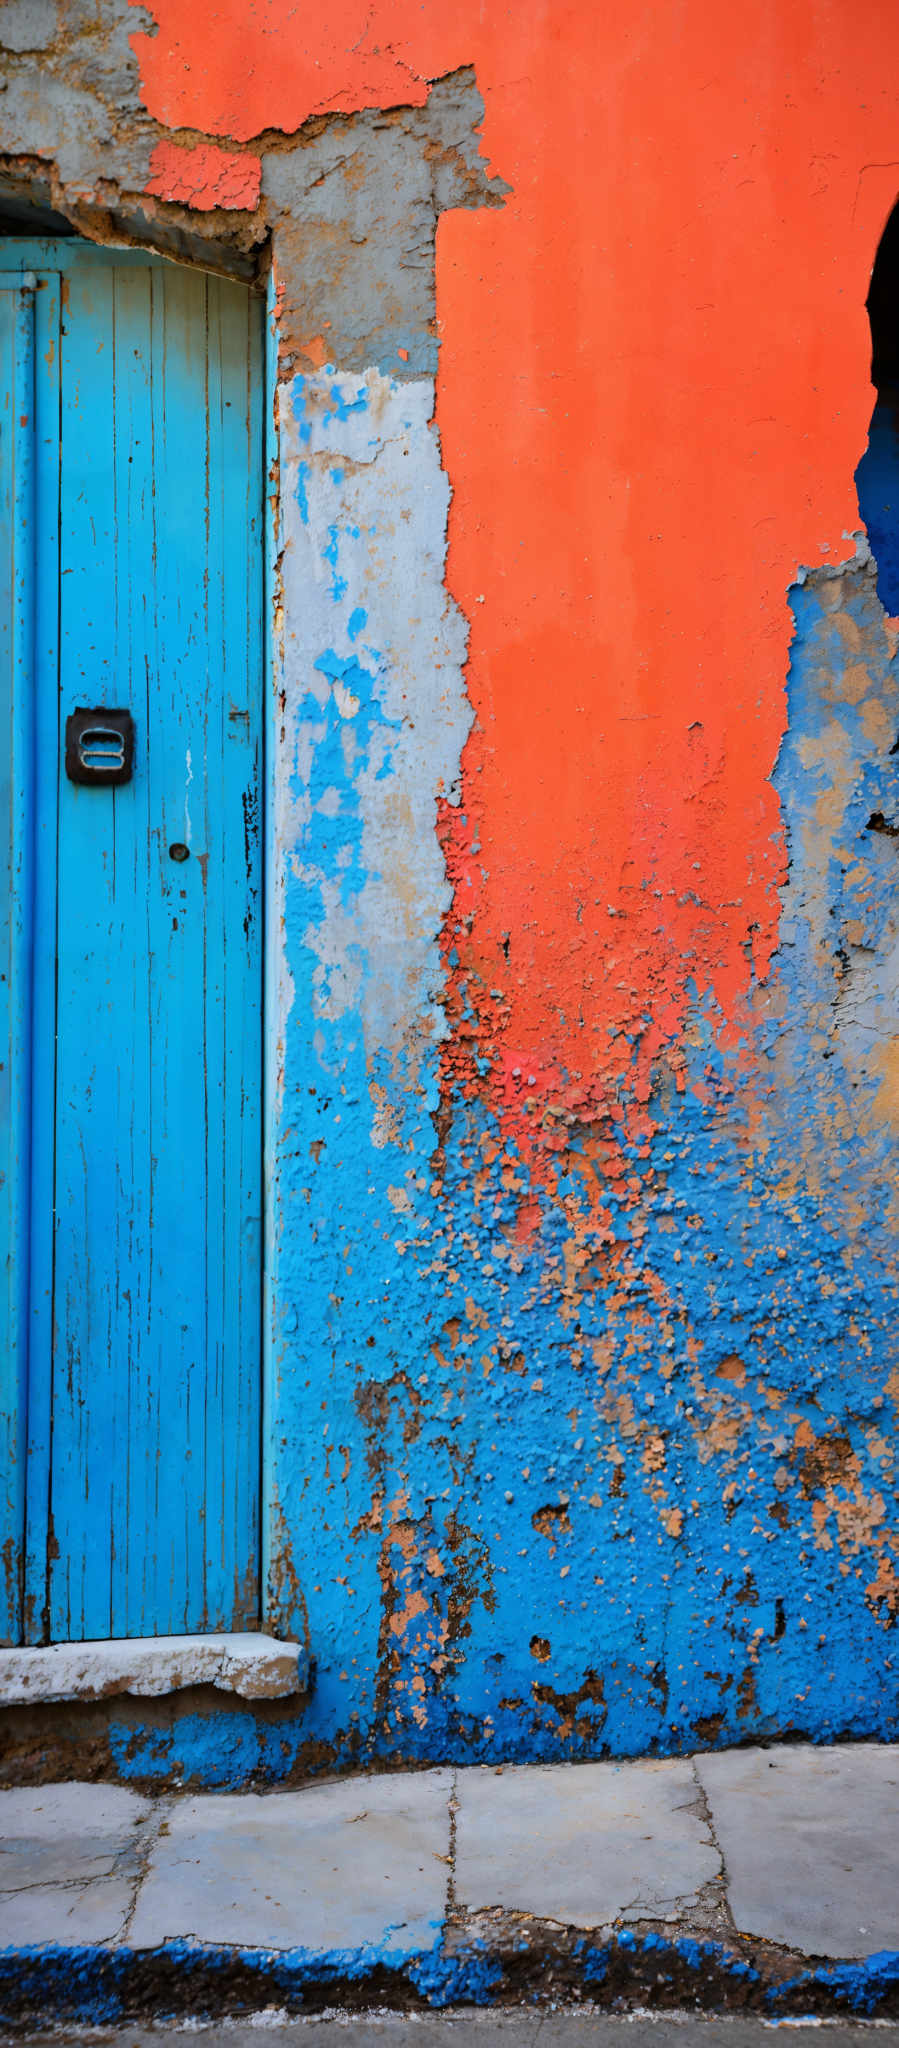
{"type": "Point", "coordinates": [136, 491]}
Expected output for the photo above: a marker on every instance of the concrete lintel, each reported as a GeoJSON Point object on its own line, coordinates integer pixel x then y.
{"type": "Point", "coordinates": [257, 1667]}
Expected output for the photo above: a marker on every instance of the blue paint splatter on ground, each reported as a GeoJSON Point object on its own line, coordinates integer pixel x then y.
{"type": "Point", "coordinates": [102, 1986]}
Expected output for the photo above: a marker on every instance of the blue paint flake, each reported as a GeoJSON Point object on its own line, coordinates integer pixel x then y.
{"type": "Point", "coordinates": [330, 551]}
{"type": "Point", "coordinates": [332, 839]}
{"type": "Point", "coordinates": [343, 407]}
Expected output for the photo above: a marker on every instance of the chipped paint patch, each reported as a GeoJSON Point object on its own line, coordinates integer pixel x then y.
{"type": "Point", "coordinates": [203, 176]}
{"type": "Point", "coordinates": [373, 722]}
{"type": "Point", "coordinates": [375, 714]}
{"type": "Point", "coordinates": [629, 1383]}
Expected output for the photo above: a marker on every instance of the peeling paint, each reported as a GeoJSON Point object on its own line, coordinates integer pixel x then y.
{"type": "Point", "coordinates": [584, 1261]}
{"type": "Point", "coordinates": [205, 177]}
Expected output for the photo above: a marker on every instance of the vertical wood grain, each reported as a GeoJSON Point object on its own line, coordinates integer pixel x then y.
{"type": "Point", "coordinates": [151, 1518]}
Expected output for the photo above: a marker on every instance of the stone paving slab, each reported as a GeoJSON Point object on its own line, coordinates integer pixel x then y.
{"type": "Point", "coordinates": [810, 1839]}
{"type": "Point", "coordinates": [794, 1846]}
{"type": "Point", "coordinates": [334, 1867]}
{"type": "Point", "coordinates": [588, 1845]}
{"type": "Point", "coordinates": [69, 1862]}
{"type": "Point", "coordinates": [70, 1915]}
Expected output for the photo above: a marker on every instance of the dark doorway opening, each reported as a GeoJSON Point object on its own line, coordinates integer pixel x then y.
{"type": "Point", "coordinates": [877, 476]}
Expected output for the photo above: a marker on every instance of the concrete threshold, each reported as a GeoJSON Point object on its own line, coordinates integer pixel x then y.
{"type": "Point", "coordinates": [256, 1667]}
{"type": "Point", "coordinates": [756, 1880]}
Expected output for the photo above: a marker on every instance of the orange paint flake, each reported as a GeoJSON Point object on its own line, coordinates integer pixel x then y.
{"type": "Point", "coordinates": [416, 1604]}
{"type": "Point", "coordinates": [205, 177]}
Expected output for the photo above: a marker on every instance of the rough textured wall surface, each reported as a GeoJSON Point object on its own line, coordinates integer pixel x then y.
{"type": "Point", "coordinates": [584, 1262]}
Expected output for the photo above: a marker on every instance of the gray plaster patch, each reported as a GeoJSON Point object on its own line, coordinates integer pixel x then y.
{"type": "Point", "coordinates": [377, 645]}
{"type": "Point", "coordinates": [29, 24]}
{"type": "Point", "coordinates": [354, 209]}
{"type": "Point", "coordinates": [68, 1862]}
{"type": "Point", "coordinates": [586, 1845]}
{"type": "Point", "coordinates": [352, 202]}
{"type": "Point", "coordinates": [342, 1866]}
{"type": "Point", "coordinates": [809, 1841]}
{"type": "Point", "coordinates": [72, 91]}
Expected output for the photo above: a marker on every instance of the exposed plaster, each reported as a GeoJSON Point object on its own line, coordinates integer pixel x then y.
{"type": "Point", "coordinates": [648, 1360]}
{"type": "Point", "coordinates": [351, 202]}
{"type": "Point", "coordinates": [71, 92]}
{"type": "Point", "coordinates": [354, 214]}
{"type": "Point", "coordinates": [375, 710]}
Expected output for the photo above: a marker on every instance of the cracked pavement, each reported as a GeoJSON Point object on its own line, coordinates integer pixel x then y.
{"type": "Point", "coordinates": [793, 1846]}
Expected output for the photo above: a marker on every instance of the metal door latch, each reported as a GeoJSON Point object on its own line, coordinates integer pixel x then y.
{"type": "Point", "coordinates": [100, 746]}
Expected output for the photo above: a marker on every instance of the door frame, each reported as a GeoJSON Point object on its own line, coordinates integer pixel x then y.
{"type": "Point", "coordinates": [25, 1398]}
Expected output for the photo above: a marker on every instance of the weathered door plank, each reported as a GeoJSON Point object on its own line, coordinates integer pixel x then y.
{"type": "Point", "coordinates": [149, 1523]}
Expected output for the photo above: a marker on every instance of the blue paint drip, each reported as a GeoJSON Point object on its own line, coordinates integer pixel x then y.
{"type": "Point", "coordinates": [332, 840]}
{"type": "Point", "coordinates": [309, 410]}
{"type": "Point", "coordinates": [343, 407]}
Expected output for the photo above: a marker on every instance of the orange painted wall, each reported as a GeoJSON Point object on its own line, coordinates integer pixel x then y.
{"type": "Point", "coordinates": [653, 394]}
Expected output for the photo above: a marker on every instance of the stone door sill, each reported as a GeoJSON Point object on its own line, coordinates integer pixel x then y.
{"type": "Point", "coordinates": [256, 1667]}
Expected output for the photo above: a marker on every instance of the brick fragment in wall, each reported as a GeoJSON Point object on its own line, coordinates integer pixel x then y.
{"type": "Point", "coordinates": [204, 177]}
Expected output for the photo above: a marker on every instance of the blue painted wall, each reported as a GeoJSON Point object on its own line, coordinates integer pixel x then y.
{"type": "Point", "coordinates": [590, 1490]}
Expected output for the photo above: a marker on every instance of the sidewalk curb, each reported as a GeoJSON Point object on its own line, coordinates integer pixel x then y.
{"type": "Point", "coordinates": [98, 1986]}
